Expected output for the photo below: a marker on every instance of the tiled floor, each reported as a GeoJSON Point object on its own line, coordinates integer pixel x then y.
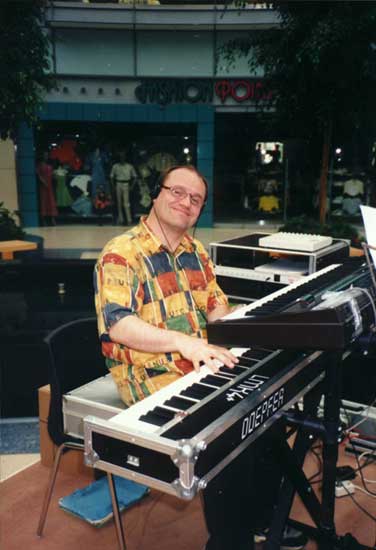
{"type": "Point", "coordinates": [13, 464]}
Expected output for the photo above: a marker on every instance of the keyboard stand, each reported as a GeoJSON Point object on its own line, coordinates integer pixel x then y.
{"type": "Point", "coordinates": [292, 460]}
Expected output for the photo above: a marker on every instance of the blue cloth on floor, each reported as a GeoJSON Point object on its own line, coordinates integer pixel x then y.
{"type": "Point", "coordinates": [93, 503]}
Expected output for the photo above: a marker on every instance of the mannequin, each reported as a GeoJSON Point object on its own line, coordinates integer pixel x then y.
{"type": "Point", "coordinates": [122, 177]}
{"type": "Point", "coordinates": [47, 203]}
{"type": "Point", "coordinates": [97, 162]}
{"type": "Point", "coordinates": [63, 198]}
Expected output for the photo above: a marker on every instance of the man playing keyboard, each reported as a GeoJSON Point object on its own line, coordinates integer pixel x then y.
{"type": "Point", "coordinates": [155, 290]}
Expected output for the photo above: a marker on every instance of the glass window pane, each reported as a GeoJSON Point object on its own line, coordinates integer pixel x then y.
{"type": "Point", "coordinates": [100, 52]}
{"type": "Point", "coordinates": [175, 54]}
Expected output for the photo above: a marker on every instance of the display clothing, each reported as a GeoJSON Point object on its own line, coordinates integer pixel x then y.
{"type": "Point", "coordinates": [63, 198]}
{"type": "Point", "coordinates": [102, 203]}
{"type": "Point", "coordinates": [81, 182]}
{"type": "Point", "coordinates": [82, 206]}
{"type": "Point", "coordinates": [122, 174]}
{"type": "Point", "coordinates": [66, 154]}
{"type": "Point", "coordinates": [145, 173]}
{"type": "Point", "coordinates": [161, 161]}
{"type": "Point", "coordinates": [268, 203]}
{"type": "Point", "coordinates": [351, 205]}
{"type": "Point", "coordinates": [353, 187]}
{"type": "Point", "coordinates": [136, 275]}
{"type": "Point", "coordinates": [97, 161]}
{"type": "Point", "coordinates": [47, 203]}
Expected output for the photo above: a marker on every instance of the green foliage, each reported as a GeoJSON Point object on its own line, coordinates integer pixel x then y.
{"type": "Point", "coordinates": [336, 229]}
{"type": "Point", "coordinates": [9, 229]}
{"type": "Point", "coordinates": [319, 62]}
{"type": "Point", "coordinates": [24, 62]}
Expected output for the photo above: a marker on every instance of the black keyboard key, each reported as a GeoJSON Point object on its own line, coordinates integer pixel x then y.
{"type": "Point", "coordinates": [179, 403]}
{"type": "Point", "coordinates": [164, 413]}
{"type": "Point", "coordinates": [246, 362]}
{"type": "Point", "coordinates": [152, 418]}
{"type": "Point", "coordinates": [214, 380]}
{"type": "Point", "coordinates": [256, 354]}
{"type": "Point", "coordinates": [197, 391]}
{"type": "Point", "coordinates": [235, 370]}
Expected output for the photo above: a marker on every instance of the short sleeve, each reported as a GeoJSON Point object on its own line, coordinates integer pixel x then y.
{"type": "Point", "coordinates": [216, 296]}
{"type": "Point", "coordinates": [118, 292]}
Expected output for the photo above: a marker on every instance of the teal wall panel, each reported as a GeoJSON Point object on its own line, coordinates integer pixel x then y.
{"type": "Point", "coordinates": [205, 113]}
{"type": "Point", "coordinates": [172, 113]}
{"type": "Point", "coordinates": [28, 201]}
{"type": "Point", "coordinates": [30, 219]}
{"type": "Point", "coordinates": [91, 111]}
{"type": "Point", "coordinates": [123, 113]}
{"type": "Point", "coordinates": [138, 113]}
{"type": "Point", "coordinates": [205, 131]}
{"type": "Point", "coordinates": [205, 150]}
{"type": "Point", "coordinates": [188, 113]}
{"type": "Point", "coordinates": [74, 111]}
{"type": "Point", "coordinates": [26, 165]}
{"type": "Point", "coordinates": [156, 113]}
{"type": "Point", "coordinates": [28, 191]}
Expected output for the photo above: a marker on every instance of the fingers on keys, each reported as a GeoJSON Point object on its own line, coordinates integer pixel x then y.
{"type": "Point", "coordinates": [218, 357]}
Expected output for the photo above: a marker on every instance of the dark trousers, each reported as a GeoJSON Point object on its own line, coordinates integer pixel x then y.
{"type": "Point", "coordinates": [227, 505]}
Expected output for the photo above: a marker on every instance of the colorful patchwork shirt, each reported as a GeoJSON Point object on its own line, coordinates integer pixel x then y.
{"type": "Point", "coordinates": [136, 275]}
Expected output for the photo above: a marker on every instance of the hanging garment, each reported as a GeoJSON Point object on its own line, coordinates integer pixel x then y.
{"type": "Point", "coordinates": [353, 187]}
{"type": "Point", "coordinates": [47, 203]}
{"type": "Point", "coordinates": [63, 198]}
{"type": "Point", "coordinates": [268, 203]}
{"type": "Point", "coordinates": [82, 182]}
{"type": "Point", "coordinates": [351, 205]}
{"type": "Point", "coordinates": [66, 154]}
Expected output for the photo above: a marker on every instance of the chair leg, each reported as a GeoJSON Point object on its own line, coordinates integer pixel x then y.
{"type": "Point", "coordinates": [51, 482]}
{"type": "Point", "coordinates": [115, 509]}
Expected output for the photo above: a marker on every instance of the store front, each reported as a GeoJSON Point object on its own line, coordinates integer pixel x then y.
{"type": "Point", "coordinates": [89, 158]}
{"type": "Point", "coordinates": [256, 170]}
{"type": "Point", "coordinates": [82, 142]}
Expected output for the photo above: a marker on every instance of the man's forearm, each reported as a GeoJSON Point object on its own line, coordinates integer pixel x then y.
{"type": "Point", "coordinates": [219, 312]}
{"type": "Point", "coordinates": [138, 334]}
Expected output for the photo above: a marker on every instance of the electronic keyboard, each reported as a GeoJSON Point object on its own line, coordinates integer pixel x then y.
{"type": "Point", "coordinates": [326, 311]}
{"type": "Point", "coordinates": [179, 438]}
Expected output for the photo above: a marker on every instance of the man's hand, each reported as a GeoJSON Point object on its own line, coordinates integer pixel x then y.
{"type": "Point", "coordinates": [199, 351]}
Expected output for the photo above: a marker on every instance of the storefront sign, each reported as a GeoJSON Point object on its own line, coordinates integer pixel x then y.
{"type": "Point", "coordinates": [241, 90]}
{"type": "Point", "coordinates": [165, 91]}
{"type": "Point", "coordinates": [175, 91]}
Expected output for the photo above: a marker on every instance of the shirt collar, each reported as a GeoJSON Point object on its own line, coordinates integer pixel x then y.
{"type": "Point", "coordinates": [152, 244]}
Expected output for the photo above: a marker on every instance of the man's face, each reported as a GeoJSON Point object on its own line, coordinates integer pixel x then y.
{"type": "Point", "coordinates": [180, 213]}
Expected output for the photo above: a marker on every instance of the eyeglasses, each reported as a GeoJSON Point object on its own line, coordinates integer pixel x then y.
{"type": "Point", "coordinates": [180, 193]}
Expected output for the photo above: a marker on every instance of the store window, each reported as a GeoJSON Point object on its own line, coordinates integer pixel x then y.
{"type": "Point", "coordinates": [104, 172]}
{"type": "Point", "coordinates": [249, 170]}
{"type": "Point", "coordinates": [264, 191]}
{"type": "Point", "coordinates": [351, 181]}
